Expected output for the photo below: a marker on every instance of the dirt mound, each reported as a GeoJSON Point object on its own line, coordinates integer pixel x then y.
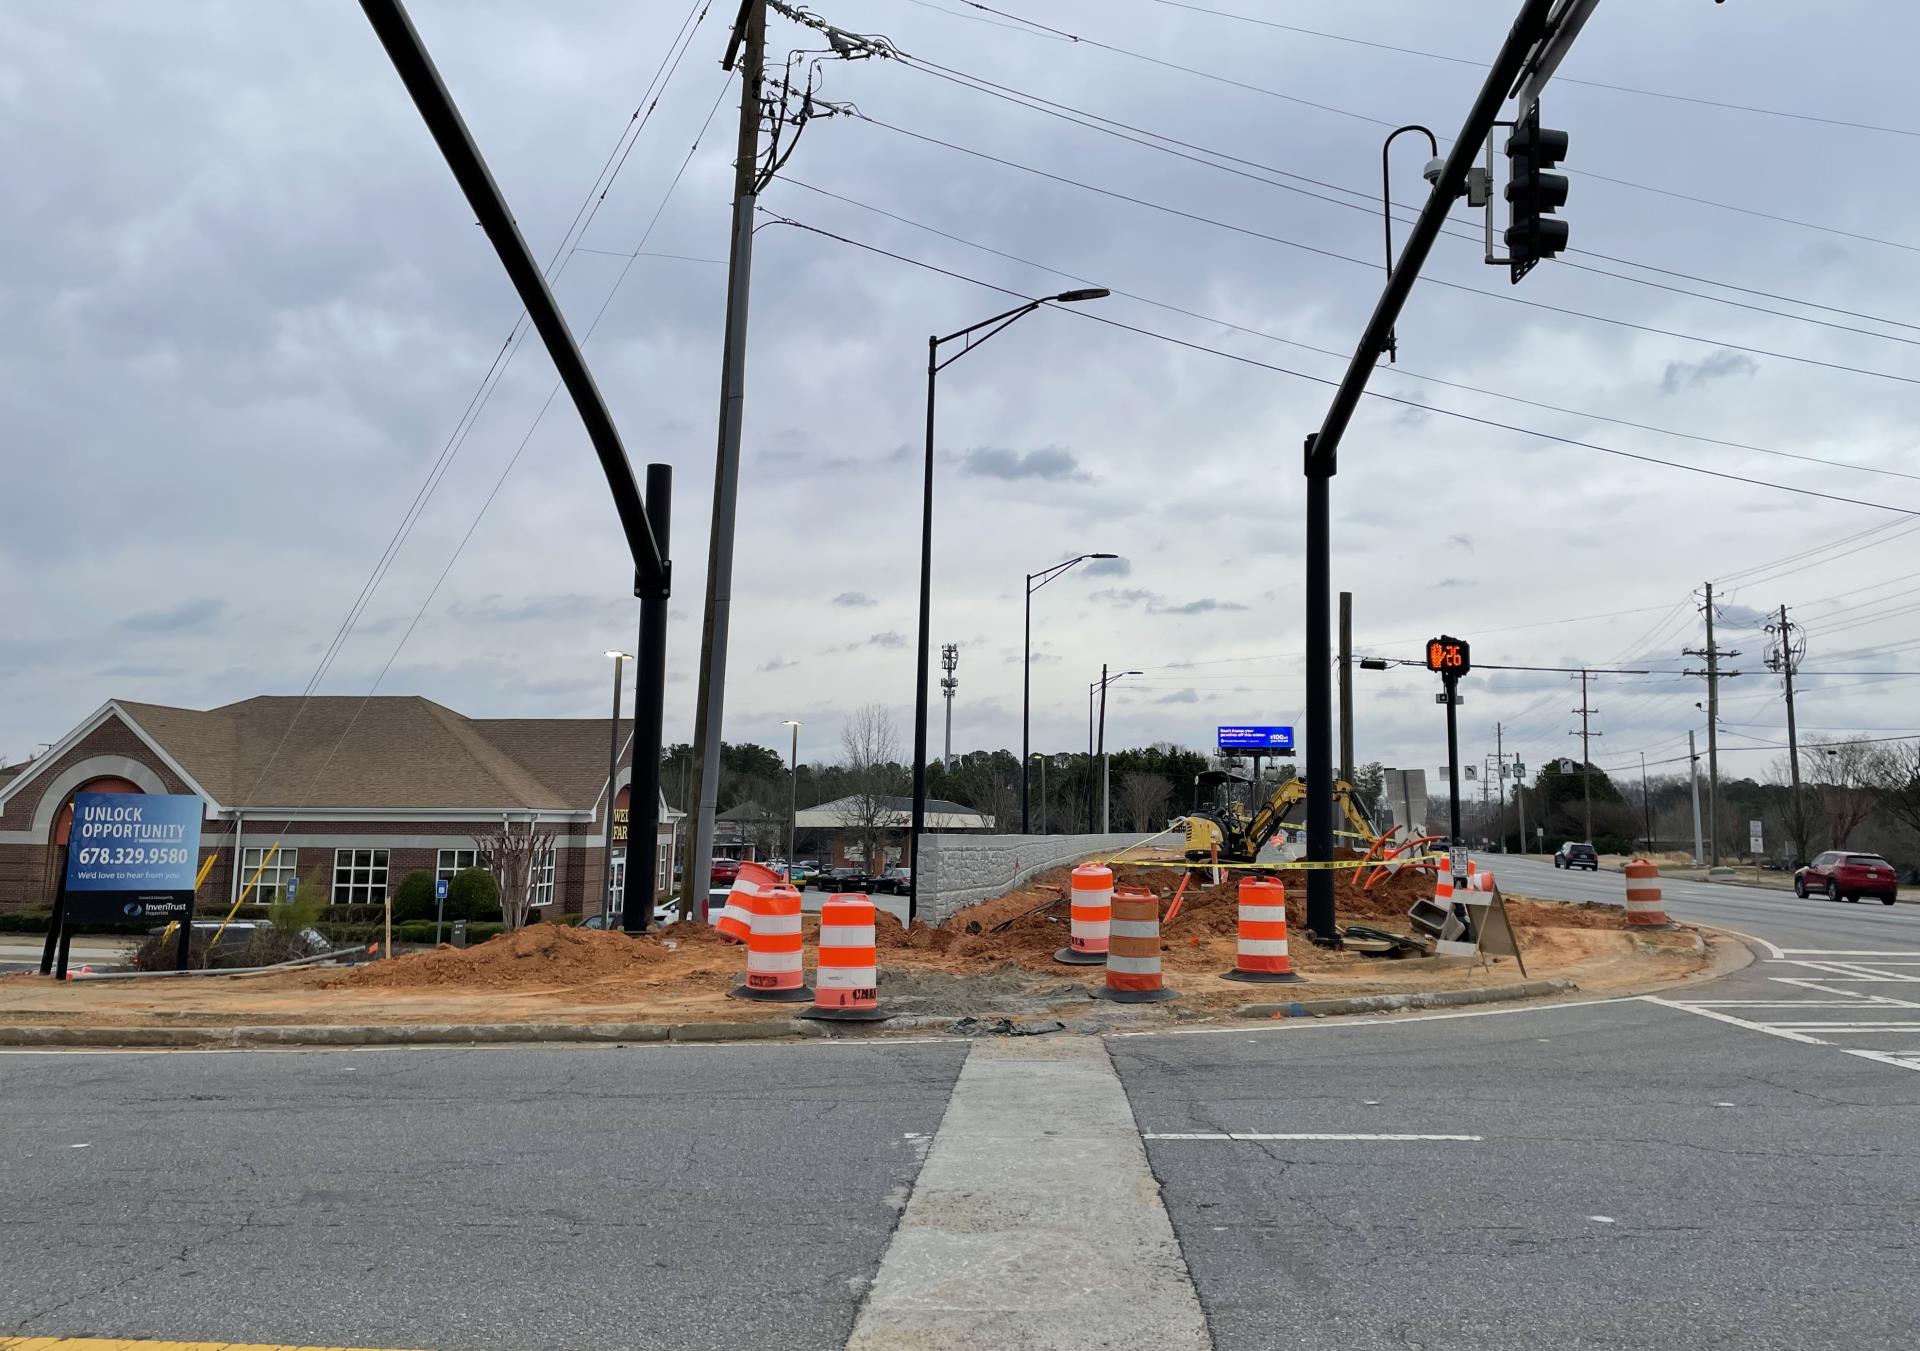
{"type": "Point", "coordinates": [540, 954]}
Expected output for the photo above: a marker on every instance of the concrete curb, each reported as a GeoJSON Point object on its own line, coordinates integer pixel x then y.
{"type": "Point", "coordinates": [399, 1034]}
{"type": "Point", "coordinates": [1391, 1003]}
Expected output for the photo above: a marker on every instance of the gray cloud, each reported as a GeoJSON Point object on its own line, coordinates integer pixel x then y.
{"type": "Point", "coordinates": [1179, 697]}
{"type": "Point", "coordinates": [1721, 365]}
{"type": "Point", "coordinates": [1461, 541]}
{"type": "Point", "coordinates": [1107, 567]}
{"type": "Point", "coordinates": [1050, 463]}
{"type": "Point", "coordinates": [888, 639]}
{"type": "Point", "coordinates": [191, 614]}
{"type": "Point", "coordinates": [854, 599]}
{"type": "Point", "coordinates": [1452, 583]}
{"type": "Point", "coordinates": [776, 664]}
{"type": "Point", "coordinates": [1205, 606]}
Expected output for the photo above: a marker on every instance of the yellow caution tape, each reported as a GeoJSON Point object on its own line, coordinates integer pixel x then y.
{"type": "Point", "coordinates": [1297, 865]}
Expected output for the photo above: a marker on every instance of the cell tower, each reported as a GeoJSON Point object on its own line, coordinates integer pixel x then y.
{"type": "Point", "coordinates": [949, 662]}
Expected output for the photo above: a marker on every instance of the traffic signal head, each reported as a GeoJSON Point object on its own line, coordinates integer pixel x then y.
{"type": "Point", "coordinates": [1534, 193]}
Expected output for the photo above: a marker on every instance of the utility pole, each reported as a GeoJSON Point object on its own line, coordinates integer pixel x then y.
{"type": "Point", "coordinates": [1646, 802]}
{"type": "Point", "coordinates": [749, 45]}
{"type": "Point", "coordinates": [949, 662]}
{"type": "Point", "coordinates": [1346, 687]}
{"type": "Point", "coordinates": [1693, 782]}
{"type": "Point", "coordinates": [1520, 802]}
{"type": "Point", "coordinates": [1103, 748]}
{"type": "Point", "coordinates": [1712, 654]}
{"type": "Point", "coordinates": [1487, 768]}
{"type": "Point", "coordinates": [1586, 757]}
{"type": "Point", "coordinates": [1783, 660]}
{"type": "Point", "coordinates": [1500, 759]}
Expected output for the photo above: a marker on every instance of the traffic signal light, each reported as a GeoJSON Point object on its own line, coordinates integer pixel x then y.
{"type": "Point", "coordinates": [1534, 194]}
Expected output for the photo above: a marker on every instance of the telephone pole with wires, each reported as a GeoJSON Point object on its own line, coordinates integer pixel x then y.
{"type": "Point", "coordinates": [1712, 655]}
{"type": "Point", "coordinates": [753, 169]}
{"type": "Point", "coordinates": [1586, 756]}
{"type": "Point", "coordinates": [1784, 657]}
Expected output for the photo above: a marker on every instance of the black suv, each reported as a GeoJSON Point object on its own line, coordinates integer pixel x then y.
{"type": "Point", "coordinates": [838, 879]}
{"type": "Point", "coordinates": [1571, 855]}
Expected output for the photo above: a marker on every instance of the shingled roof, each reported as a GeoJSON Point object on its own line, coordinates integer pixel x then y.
{"type": "Point", "coordinates": [388, 752]}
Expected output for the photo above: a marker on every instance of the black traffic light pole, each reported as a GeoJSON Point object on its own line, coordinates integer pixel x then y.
{"type": "Point", "coordinates": [645, 529]}
{"type": "Point", "coordinates": [1322, 450]}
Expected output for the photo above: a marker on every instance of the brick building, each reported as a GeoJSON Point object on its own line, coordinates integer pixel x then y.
{"type": "Point", "coordinates": [356, 792]}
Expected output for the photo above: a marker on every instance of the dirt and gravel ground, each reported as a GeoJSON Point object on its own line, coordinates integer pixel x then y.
{"type": "Point", "coordinates": [992, 960]}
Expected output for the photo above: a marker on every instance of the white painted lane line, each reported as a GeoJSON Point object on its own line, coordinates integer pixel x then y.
{"type": "Point", "coordinates": [1851, 971]}
{"type": "Point", "coordinates": [1883, 1057]}
{"type": "Point", "coordinates": [1736, 1022]}
{"type": "Point", "coordinates": [1849, 1027]}
{"type": "Point", "coordinates": [1841, 952]}
{"type": "Point", "coordinates": [1753, 938]}
{"type": "Point", "coordinates": [1859, 996]}
{"type": "Point", "coordinates": [1294, 1135]}
{"type": "Point", "coordinates": [1399, 1020]}
{"type": "Point", "coordinates": [1854, 1003]}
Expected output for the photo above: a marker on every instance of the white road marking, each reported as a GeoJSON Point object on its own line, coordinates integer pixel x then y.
{"type": "Point", "coordinates": [1858, 996]}
{"type": "Point", "coordinates": [1402, 1020]}
{"type": "Point", "coordinates": [1752, 938]}
{"type": "Point", "coordinates": [1602, 1219]}
{"type": "Point", "coordinates": [1841, 952]}
{"type": "Point", "coordinates": [1737, 1022]}
{"type": "Point", "coordinates": [1256, 1136]}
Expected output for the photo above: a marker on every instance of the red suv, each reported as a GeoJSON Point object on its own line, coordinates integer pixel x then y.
{"type": "Point", "coordinates": [1837, 874]}
{"type": "Point", "coordinates": [726, 871]}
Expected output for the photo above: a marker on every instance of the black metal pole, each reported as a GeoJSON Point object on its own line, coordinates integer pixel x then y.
{"type": "Point", "coordinates": [57, 920]}
{"type": "Point", "coordinates": [1322, 925]}
{"type": "Point", "coordinates": [920, 658]}
{"type": "Point", "coordinates": [1451, 685]}
{"type": "Point", "coordinates": [649, 702]}
{"type": "Point", "coordinates": [1323, 448]}
{"type": "Point", "coordinates": [1026, 702]}
{"type": "Point", "coordinates": [613, 772]}
{"type": "Point", "coordinates": [183, 950]}
{"type": "Point", "coordinates": [1103, 749]}
{"type": "Point", "coordinates": [1090, 690]}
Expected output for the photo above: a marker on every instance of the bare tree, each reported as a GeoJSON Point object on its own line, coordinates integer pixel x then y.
{"type": "Point", "coordinates": [1846, 772]}
{"type": "Point", "coordinates": [518, 859]}
{"type": "Point", "coordinates": [1143, 799]}
{"type": "Point", "coordinates": [1896, 783]}
{"type": "Point", "coordinates": [1802, 815]}
{"type": "Point", "coordinates": [872, 775]}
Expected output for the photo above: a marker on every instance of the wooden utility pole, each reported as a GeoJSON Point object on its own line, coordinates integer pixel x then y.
{"type": "Point", "coordinates": [1712, 654]}
{"type": "Point", "coordinates": [1586, 756]}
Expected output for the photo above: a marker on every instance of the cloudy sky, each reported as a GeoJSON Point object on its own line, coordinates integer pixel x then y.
{"type": "Point", "coordinates": [245, 308]}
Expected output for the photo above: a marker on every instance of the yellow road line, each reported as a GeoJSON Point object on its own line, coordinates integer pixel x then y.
{"type": "Point", "coordinates": [135, 1344]}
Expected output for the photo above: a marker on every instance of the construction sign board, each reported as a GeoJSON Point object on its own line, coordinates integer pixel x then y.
{"type": "Point", "coordinates": [132, 856]}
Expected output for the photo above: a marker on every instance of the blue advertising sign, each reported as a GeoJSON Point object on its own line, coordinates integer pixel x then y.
{"type": "Point", "coordinates": [132, 856]}
{"type": "Point", "coordinates": [1255, 739]}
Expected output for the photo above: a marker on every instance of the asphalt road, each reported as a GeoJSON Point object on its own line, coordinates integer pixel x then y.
{"type": "Point", "coordinates": [1728, 1164]}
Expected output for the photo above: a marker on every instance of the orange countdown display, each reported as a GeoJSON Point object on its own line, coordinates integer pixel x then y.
{"type": "Point", "coordinates": [1449, 656]}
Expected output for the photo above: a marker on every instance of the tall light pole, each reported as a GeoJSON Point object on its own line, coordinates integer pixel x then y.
{"type": "Point", "coordinates": [1035, 580]}
{"type": "Point", "coordinates": [793, 794]}
{"type": "Point", "coordinates": [613, 772]}
{"type": "Point", "coordinates": [1101, 686]}
{"type": "Point", "coordinates": [986, 328]}
{"type": "Point", "coordinates": [1042, 758]}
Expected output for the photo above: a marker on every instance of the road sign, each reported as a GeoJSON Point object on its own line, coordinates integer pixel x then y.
{"type": "Point", "coordinates": [1519, 770]}
{"type": "Point", "coordinates": [132, 856]}
{"type": "Point", "coordinates": [1755, 845]}
{"type": "Point", "coordinates": [1255, 738]}
{"type": "Point", "coordinates": [1449, 656]}
{"type": "Point", "coordinates": [1470, 771]}
{"type": "Point", "coordinates": [440, 889]}
{"type": "Point", "coordinates": [293, 886]}
{"type": "Point", "coordinates": [1459, 700]}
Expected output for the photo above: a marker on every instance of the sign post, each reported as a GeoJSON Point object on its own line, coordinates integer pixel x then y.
{"type": "Point", "coordinates": [130, 856]}
{"type": "Point", "coordinates": [439, 907]}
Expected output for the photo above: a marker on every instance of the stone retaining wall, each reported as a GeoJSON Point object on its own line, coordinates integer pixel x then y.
{"type": "Point", "coordinates": [958, 870]}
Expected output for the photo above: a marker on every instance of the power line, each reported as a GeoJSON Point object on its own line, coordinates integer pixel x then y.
{"type": "Point", "coordinates": [1330, 352]}
{"type": "Point", "coordinates": [1717, 343]}
{"type": "Point", "coordinates": [1385, 122]}
{"type": "Point", "coordinates": [1374, 394]}
{"type": "Point", "coordinates": [1557, 79]}
{"type": "Point", "coordinates": [1369, 203]}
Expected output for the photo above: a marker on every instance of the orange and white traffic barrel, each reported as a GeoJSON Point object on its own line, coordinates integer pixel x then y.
{"type": "Point", "coordinates": [1133, 950]}
{"type": "Point", "coordinates": [735, 920]}
{"type": "Point", "coordinates": [1644, 906]}
{"type": "Point", "coordinates": [1092, 917]}
{"type": "Point", "coordinates": [1261, 956]}
{"type": "Point", "coordinates": [847, 985]}
{"type": "Point", "coordinates": [774, 949]}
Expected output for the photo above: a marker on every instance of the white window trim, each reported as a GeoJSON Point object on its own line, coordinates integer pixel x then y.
{"type": "Point", "coordinates": [380, 862]}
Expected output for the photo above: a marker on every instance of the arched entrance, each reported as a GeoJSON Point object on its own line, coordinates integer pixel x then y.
{"type": "Point", "coordinates": [63, 824]}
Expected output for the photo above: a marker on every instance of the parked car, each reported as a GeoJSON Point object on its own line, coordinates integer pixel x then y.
{"type": "Point", "coordinates": [897, 881]}
{"type": "Point", "coordinates": [840, 879]}
{"type": "Point", "coordinates": [1575, 854]}
{"type": "Point", "coordinates": [1839, 875]}
{"type": "Point", "coordinates": [725, 872]}
{"type": "Point", "coordinates": [801, 874]}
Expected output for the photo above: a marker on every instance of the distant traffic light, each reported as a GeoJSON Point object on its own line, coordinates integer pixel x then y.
{"type": "Point", "coordinates": [1534, 194]}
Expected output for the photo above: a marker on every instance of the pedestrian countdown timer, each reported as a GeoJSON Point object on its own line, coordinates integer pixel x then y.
{"type": "Point", "coordinates": [1449, 656]}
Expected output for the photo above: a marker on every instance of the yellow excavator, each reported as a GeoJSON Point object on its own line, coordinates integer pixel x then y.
{"type": "Point", "coordinates": [1239, 839]}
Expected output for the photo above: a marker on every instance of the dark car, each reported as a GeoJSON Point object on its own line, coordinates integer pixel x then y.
{"type": "Point", "coordinates": [839, 879]}
{"type": "Point", "coordinates": [1839, 875]}
{"type": "Point", "coordinates": [1577, 855]}
{"type": "Point", "coordinates": [896, 881]}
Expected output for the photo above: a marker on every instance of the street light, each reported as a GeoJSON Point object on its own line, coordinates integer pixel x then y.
{"type": "Point", "coordinates": [613, 770]}
{"type": "Point", "coordinates": [1035, 580]}
{"type": "Point", "coordinates": [934, 366]}
{"type": "Point", "coordinates": [1100, 685]}
{"type": "Point", "coordinates": [1042, 758]}
{"type": "Point", "coordinates": [793, 794]}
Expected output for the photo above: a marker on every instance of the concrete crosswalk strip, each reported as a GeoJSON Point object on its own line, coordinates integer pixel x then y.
{"type": "Point", "coordinates": [1036, 1222]}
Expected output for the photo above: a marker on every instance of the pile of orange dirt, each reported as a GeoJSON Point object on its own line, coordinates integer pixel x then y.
{"type": "Point", "coordinates": [540, 954]}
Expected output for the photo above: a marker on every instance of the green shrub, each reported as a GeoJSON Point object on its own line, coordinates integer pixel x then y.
{"type": "Point", "coordinates": [473, 895]}
{"type": "Point", "coordinates": [413, 898]}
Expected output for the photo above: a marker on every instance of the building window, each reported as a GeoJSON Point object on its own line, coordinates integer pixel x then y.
{"type": "Point", "coordinates": [359, 876]}
{"type": "Point", "coordinates": [452, 861]}
{"type": "Point", "coordinates": [661, 882]}
{"type": "Point", "coordinates": [543, 881]}
{"type": "Point", "coordinates": [618, 893]}
{"type": "Point", "coordinates": [274, 876]}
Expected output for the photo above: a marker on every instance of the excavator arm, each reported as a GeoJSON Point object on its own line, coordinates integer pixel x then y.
{"type": "Point", "coordinates": [1243, 843]}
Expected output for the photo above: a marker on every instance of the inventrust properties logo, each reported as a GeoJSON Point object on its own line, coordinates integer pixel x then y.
{"type": "Point", "coordinates": [135, 909]}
